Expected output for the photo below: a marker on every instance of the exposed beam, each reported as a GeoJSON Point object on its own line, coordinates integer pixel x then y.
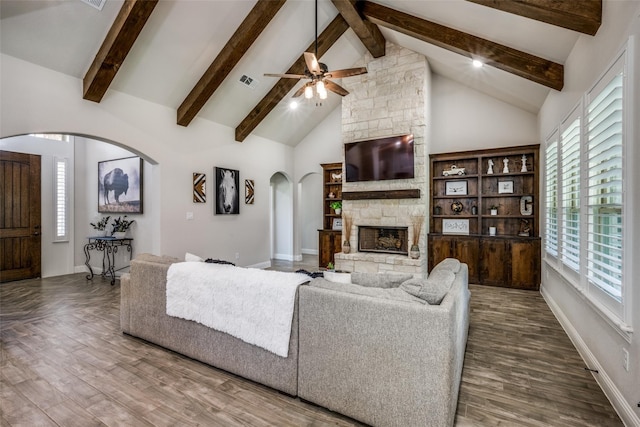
{"type": "Point", "coordinates": [522, 64]}
{"type": "Point", "coordinates": [368, 33]}
{"type": "Point", "coordinates": [584, 16]}
{"type": "Point", "coordinates": [115, 47]}
{"type": "Point", "coordinates": [329, 36]}
{"type": "Point", "coordinates": [248, 31]}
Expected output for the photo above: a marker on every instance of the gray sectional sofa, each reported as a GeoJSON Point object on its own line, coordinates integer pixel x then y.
{"type": "Point", "coordinates": [379, 355]}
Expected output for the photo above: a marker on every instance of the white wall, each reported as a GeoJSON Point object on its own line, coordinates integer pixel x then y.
{"type": "Point", "coordinates": [465, 119]}
{"type": "Point", "coordinates": [599, 343]}
{"type": "Point", "coordinates": [310, 212]}
{"type": "Point", "coordinates": [37, 100]}
{"type": "Point", "coordinates": [57, 257]}
{"type": "Point", "coordinates": [282, 217]}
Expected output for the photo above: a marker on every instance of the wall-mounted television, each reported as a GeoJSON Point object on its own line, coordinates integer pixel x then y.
{"type": "Point", "coordinates": [379, 159]}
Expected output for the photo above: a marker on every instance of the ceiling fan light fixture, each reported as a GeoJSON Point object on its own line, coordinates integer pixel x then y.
{"type": "Point", "coordinates": [308, 91]}
{"type": "Point", "coordinates": [322, 94]}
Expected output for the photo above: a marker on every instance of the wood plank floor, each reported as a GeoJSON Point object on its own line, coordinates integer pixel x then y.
{"type": "Point", "coordinates": [64, 362]}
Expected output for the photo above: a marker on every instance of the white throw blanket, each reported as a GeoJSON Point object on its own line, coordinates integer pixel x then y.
{"type": "Point", "coordinates": [253, 305]}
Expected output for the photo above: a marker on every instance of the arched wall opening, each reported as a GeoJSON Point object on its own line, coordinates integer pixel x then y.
{"type": "Point", "coordinates": [82, 154]}
{"type": "Point", "coordinates": [281, 212]}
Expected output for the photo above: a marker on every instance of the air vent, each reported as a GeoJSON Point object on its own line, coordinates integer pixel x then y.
{"type": "Point", "coordinates": [250, 82]}
{"type": "Point", "coordinates": [98, 4]}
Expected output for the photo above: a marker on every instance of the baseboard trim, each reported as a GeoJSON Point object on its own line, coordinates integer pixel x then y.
{"type": "Point", "coordinates": [262, 265]}
{"type": "Point", "coordinates": [309, 251]}
{"type": "Point", "coordinates": [619, 403]}
{"type": "Point", "coordinates": [283, 257]}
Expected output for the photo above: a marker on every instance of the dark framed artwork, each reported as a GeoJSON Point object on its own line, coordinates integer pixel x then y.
{"type": "Point", "coordinates": [120, 185]}
{"type": "Point", "coordinates": [249, 191]}
{"type": "Point", "coordinates": [199, 187]}
{"type": "Point", "coordinates": [227, 193]}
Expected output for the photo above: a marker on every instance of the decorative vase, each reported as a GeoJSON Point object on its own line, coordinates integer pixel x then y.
{"type": "Point", "coordinates": [346, 247]}
{"type": "Point", "coordinates": [119, 234]}
{"type": "Point", "coordinates": [338, 211]}
{"type": "Point", "coordinates": [494, 211]}
{"type": "Point", "coordinates": [414, 252]}
{"type": "Point", "coordinates": [101, 233]}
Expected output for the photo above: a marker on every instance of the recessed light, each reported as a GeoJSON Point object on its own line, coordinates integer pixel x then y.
{"type": "Point", "coordinates": [477, 63]}
{"type": "Point", "coordinates": [293, 105]}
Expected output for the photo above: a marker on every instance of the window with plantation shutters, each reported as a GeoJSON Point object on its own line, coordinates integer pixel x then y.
{"type": "Point", "coordinates": [570, 193]}
{"type": "Point", "coordinates": [604, 195]}
{"type": "Point", "coordinates": [551, 191]}
{"type": "Point", "coordinates": [60, 199]}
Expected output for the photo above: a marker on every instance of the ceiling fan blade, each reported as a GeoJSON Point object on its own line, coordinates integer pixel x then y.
{"type": "Point", "coordinates": [335, 88]}
{"type": "Point", "coordinates": [299, 91]}
{"type": "Point", "coordinates": [347, 72]}
{"type": "Point", "coordinates": [286, 76]}
{"type": "Point", "coordinates": [312, 63]}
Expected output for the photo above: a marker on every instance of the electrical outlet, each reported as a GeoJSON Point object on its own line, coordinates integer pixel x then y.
{"type": "Point", "coordinates": [625, 359]}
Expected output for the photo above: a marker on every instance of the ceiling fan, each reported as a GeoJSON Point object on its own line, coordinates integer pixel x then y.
{"type": "Point", "coordinates": [319, 74]}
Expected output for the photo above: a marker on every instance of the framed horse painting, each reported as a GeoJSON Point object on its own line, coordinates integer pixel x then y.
{"type": "Point", "coordinates": [227, 193]}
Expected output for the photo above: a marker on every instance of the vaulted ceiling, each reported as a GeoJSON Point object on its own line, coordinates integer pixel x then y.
{"type": "Point", "coordinates": [190, 55]}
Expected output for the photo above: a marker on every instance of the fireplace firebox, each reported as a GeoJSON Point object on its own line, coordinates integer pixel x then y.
{"type": "Point", "coordinates": [390, 240]}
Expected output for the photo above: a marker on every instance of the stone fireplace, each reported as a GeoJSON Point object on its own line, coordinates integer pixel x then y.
{"type": "Point", "coordinates": [389, 240]}
{"type": "Point", "coordinates": [391, 99]}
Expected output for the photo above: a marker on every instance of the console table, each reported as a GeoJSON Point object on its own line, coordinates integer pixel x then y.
{"type": "Point", "coordinates": [109, 246]}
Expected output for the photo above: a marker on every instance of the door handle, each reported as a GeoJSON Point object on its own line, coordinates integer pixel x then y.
{"type": "Point", "coordinates": [36, 234]}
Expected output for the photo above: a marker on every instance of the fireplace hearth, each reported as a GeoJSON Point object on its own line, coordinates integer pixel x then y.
{"type": "Point", "coordinates": [390, 240]}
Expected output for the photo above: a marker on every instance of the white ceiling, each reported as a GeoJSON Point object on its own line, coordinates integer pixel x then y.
{"type": "Point", "coordinates": [182, 37]}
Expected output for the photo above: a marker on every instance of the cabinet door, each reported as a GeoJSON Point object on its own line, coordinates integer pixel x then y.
{"type": "Point", "coordinates": [328, 245]}
{"type": "Point", "coordinates": [467, 250]}
{"type": "Point", "coordinates": [440, 247]}
{"type": "Point", "coordinates": [495, 262]}
{"type": "Point", "coordinates": [525, 264]}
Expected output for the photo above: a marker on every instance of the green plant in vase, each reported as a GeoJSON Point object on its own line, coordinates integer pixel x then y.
{"type": "Point", "coordinates": [101, 226]}
{"type": "Point", "coordinates": [336, 206]}
{"type": "Point", "coordinates": [120, 226]}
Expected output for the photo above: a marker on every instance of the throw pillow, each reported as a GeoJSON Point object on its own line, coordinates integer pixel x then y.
{"type": "Point", "coordinates": [189, 257]}
{"type": "Point", "coordinates": [379, 280]}
{"type": "Point", "coordinates": [450, 264]}
{"type": "Point", "coordinates": [334, 277]}
{"type": "Point", "coordinates": [218, 261]}
{"type": "Point", "coordinates": [432, 290]}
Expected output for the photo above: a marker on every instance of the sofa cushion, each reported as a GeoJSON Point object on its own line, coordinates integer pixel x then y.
{"type": "Point", "coordinates": [433, 289]}
{"type": "Point", "coordinates": [379, 280]}
{"type": "Point", "coordinates": [450, 264]}
{"type": "Point", "coordinates": [335, 277]}
{"type": "Point", "coordinates": [395, 294]}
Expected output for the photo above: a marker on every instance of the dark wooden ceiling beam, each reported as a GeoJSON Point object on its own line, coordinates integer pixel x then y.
{"type": "Point", "coordinates": [326, 39]}
{"type": "Point", "coordinates": [368, 32]}
{"type": "Point", "coordinates": [584, 16]}
{"type": "Point", "coordinates": [123, 33]}
{"type": "Point", "coordinates": [522, 64]}
{"type": "Point", "coordinates": [248, 31]}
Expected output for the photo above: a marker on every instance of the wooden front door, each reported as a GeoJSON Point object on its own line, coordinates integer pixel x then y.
{"type": "Point", "coordinates": [20, 233]}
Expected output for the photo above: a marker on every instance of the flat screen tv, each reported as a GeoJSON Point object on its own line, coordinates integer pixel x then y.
{"type": "Point", "coordinates": [379, 159]}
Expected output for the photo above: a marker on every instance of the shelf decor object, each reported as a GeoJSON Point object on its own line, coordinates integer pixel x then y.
{"type": "Point", "coordinates": [491, 222]}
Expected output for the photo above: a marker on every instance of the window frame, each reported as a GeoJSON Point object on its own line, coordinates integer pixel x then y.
{"type": "Point", "coordinates": [58, 204]}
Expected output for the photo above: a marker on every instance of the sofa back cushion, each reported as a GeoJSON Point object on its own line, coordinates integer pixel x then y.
{"type": "Point", "coordinates": [379, 280]}
{"type": "Point", "coordinates": [395, 294]}
{"type": "Point", "coordinates": [433, 289]}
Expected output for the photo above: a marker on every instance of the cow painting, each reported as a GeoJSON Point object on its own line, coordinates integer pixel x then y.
{"type": "Point", "coordinates": [118, 182]}
{"type": "Point", "coordinates": [227, 182]}
{"type": "Point", "coordinates": [120, 185]}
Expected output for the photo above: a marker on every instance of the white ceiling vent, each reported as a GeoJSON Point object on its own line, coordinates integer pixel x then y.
{"type": "Point", "coordinates": [98, 4]}
{"type": "Point", "coordinates": [250, 82]}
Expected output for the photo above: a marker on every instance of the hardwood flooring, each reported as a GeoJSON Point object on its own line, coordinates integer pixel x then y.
{"type": "Point", "coordinates": [64, 362]}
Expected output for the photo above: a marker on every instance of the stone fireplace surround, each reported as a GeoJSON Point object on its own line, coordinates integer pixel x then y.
{"type": "Point", "coordinates": [391, 99]}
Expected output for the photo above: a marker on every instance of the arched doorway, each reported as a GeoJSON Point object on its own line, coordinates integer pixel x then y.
{"type": "Point", "coordinates": [281, 223]}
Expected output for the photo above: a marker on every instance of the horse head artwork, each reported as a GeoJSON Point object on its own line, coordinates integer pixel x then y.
{"type": "Point", "coordinates": [118, 182]}
{"type": "Point", "coordinates": [227, 191]}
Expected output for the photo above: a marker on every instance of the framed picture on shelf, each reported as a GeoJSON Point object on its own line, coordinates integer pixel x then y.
{"type": "Point", "coordinates": [455, 188]}
{"type": "Point", "coordinates": [455, 226]}
{"type": "Point", "coordinates": [505, 187]}
{"type": "Point", "coordinates": [336, 224]}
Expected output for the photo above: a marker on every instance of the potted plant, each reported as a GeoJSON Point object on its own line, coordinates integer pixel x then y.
{"type": "Point", "coordinates": [494, 209]}
{"type": "Point", "coordinates": [336, 206]}
{"type": "Point", "coordinates": [101, 226]}
{"type": "Point", "coordinates": [120, 227]}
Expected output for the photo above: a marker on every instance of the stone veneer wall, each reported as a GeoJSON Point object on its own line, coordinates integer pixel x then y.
{"type": "Point", "coordinates": [391, 99]}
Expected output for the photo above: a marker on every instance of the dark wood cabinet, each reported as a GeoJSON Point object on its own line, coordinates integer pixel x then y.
{"type": "Point", "coordinates": [329, 240]}
{"type": "Point", "coordinates": [501, 248]}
